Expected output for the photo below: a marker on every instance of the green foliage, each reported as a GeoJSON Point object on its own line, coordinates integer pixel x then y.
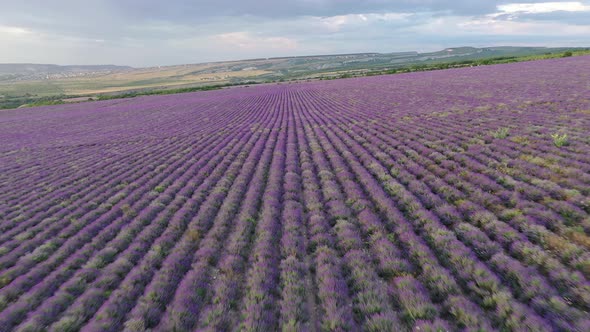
{"type": "Point", "coordinates": [128, 210]}
{"type": "Point", "coordinates": [135, 325]}
{"type": "Point", "coordinates": [501, 132]}
{"type": "Point", "coordinates": [67, 323]}
{"type": "Point", "coordinates": [473, 63]}
{"type": "Point", "coordinates": [29, 101]}
{"type": "Point", "coordinates": [46, 103]}
{"type": "Point", "coordinates": [560, 140]}
{"type": "Point", "coordinates": [172, 91]}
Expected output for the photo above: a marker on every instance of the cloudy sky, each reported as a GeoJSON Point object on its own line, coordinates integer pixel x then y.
{"type": "Point", "coordinates": [155, 32]}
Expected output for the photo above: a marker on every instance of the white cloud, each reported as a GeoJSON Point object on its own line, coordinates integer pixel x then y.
{"type": "Point", "coordinates": [491, 26]}
{"type": "Point", "coordinates": [148, 38]}
{"type": "Point", "coordinates": [10, 31]}
{"type": "Point", "coordinates": [339, 22]}
{"type": "Point", "coordinates": [247, 41]}
{"type": "Point", "coordinates": [542, 7]}
{"type": "Point", "coordinates": [508, 21]}
{"type": "Point", "coordinates": [335, 23]}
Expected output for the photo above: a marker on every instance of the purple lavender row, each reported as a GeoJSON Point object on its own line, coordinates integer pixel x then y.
{"type": "Point", "coordinates": [79, 223]}
{"type": "Point", "coordinates": [561, 268]}
{"type": "Point", "coordinates": [215, 224]}
{"type": "Point", "coordinates": [518, 169]}
{"type": "Point", "coordinates": [126, 259]}
{"type": "Point", "coordinates": [229, 173]}
{"type": "Point", "coordinates": [127, 234]}
{"type": "Point", "coordinates": [527, 222]}
{"type": "Point", "coordinates": [413, 311]}
{"type": "Point", "coordinates": [50, 227]}
{"type": "Point", "coordinates": [575, 314]}
{"type": "Point", "coordinates": [95, 214]}
{"type": "Point", "coordinates": [236, 118]}
{"type": "Point", "coordinates": [161, 282]}
{"type": "Point", "coordinates": [64, 189]}
{"type": "Point", "coordinates": [370, 303]}
{"type": "Point", "coordinates": [220, 313]}
{"type": "Point", "coordinates": [488, 283]}
{"type": "Point", "coordinates": [43, 177]}
{"type": "Point", "coordinates": [111, 315]}
{"type": "Point", "coordinates": [258, 307]}
{"type": "Point", "coordinates": [479, 182]}
{"type": "Point", "coordinates": [22, 206]}
{"type": "Point", "coordinates": [333, 297]}
{"type": "Point", "coordinates": [548, 292]}
{"type": "Point", "coordinates": [295, 306]}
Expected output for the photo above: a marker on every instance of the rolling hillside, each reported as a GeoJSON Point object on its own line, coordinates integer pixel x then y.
{"type": "Point", "coordinates": [39, 81]}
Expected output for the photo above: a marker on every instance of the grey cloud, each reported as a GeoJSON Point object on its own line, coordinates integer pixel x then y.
{"type": "Point", "coordinates": [578, 18]}
{"type": "Point", "coordinates": [193, 11]}
{"type": "Point", "coordinates": [190, 10]}
{"type": "Point", "coordinates": [180, 31]}
{"type": "Point", "coordinates": [115, 19]}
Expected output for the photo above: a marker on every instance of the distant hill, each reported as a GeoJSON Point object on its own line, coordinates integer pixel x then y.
{"type": "Point", "coordinates": [273, 68]}
{"type": "Point", "coordinates": [30, 71]}
{"type": "Point", "coordinates": [22, 84]}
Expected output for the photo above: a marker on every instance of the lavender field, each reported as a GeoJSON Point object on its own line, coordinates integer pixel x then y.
{"type": "Point", "coordinates": [432, 201]}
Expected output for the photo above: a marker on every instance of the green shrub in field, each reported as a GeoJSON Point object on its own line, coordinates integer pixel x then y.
{"type": "Point", "coordinates": [501, 132]}
{"type": "Point", "coordinates": [560, 140]}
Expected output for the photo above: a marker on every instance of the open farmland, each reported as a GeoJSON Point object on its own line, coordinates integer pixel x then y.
{"type": "Point", "coordinates": [430, 201]}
